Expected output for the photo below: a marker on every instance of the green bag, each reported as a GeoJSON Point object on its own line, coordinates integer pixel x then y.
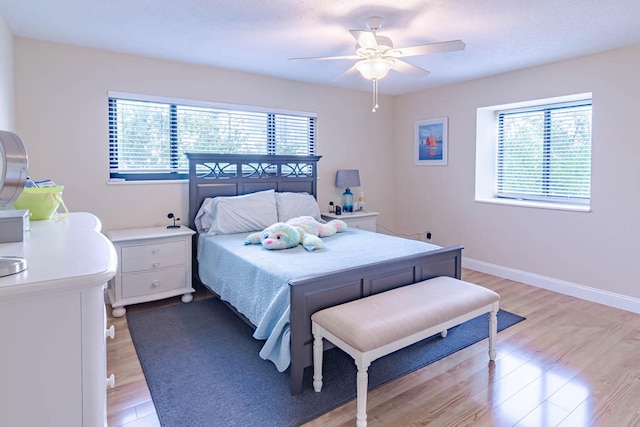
{"type": "Point", "coordinates": [42, 202]}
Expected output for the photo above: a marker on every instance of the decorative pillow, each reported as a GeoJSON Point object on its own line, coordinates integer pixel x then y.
{"type": "Point", "coordinates": [292, 205]}
{"type": "Point", "coordinates": [237, 214]}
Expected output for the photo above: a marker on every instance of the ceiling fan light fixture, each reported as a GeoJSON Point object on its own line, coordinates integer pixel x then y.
{"type": "Point", "coordinates": [374, 68]}
{"type": "Point", "coordinates": [376, 55]}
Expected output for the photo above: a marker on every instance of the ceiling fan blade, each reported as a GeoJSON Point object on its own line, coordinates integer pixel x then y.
{"type": "Point", "coordinates": [412, 70]}
{"type": "Point", "coordinates": [351, 70]}
{"type": "Point", "coordinates": [325, 58]}
{"type": "Point", "coordinates": [366, 39]}
{"type": "Point", "coordinates": [425, 49]}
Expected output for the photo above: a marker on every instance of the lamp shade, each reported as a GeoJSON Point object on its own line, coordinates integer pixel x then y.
{"type": "Point", "coordinates": [375, 68]}
{"type": "Point", "coordinates": [347, 178]}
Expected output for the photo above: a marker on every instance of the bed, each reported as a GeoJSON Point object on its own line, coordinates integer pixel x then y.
{"type": "Point", "coordinates": [284, 319]}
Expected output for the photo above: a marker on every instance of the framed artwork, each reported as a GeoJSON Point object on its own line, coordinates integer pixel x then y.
{"type": "Point", "coordinates": [430, 142]}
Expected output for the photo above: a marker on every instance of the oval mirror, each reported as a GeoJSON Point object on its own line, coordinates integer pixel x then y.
{"type": "Point", "coordinates": [13, 167]}
{"type": "Point", "coordinates": [13, 174]}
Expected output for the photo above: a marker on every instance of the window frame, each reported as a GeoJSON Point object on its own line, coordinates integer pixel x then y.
{"type": "Point", "coordinates": [174, 173]}
{"type": "Point", "coordinates": [486, 172]}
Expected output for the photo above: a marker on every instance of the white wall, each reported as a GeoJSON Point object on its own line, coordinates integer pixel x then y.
{"type": "Point", "coordinates": [61, 110]}
{"type": "Point", "coordinates": [596, 249]}
{"type": "Point", "coordinates": [61, 115]}
{"type": "Point", "coordinates": [7, 121]}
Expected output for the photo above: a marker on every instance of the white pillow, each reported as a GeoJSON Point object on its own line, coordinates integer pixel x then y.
{"type": "Point", "coordinates": [205, 213]}
{"type": "Point", "coordinates": [237, 214]}
{"type": "Point", "coordinates": [292, 205]}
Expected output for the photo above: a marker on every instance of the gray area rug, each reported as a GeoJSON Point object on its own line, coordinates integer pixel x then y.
{"type": "Point", "coordinates": [203, 369]}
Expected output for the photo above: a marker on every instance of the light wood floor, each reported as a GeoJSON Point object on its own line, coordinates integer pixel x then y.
{"type": "Point", "coordinates": [571, 363]}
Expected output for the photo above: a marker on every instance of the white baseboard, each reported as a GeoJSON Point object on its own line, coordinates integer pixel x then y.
{"type": "Point", "coordinates": [599, 296]}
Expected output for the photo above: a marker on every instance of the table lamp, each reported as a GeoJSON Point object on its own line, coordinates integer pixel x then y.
{"type": "Point", "coordinates": [346, 178]}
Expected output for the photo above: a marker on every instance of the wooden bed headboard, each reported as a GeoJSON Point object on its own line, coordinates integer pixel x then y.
{"type": "Point", "coordinates": [212, 175]}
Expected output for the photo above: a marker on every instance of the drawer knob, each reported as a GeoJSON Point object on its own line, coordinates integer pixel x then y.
{"type": "Point", "coordinates": [155, 251]}
{"type": "Point", "coordinates": [156, 264]}
{"type": "Point", "coordinates": [110, 332]}
{"type": "Point", "coordinates": [156, 283]}
{"type": "Point", "coordinates": [111, 381]}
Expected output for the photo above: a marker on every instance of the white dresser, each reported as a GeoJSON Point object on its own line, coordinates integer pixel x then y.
{"type": "Point", "coordinates": [53, 326]}
{"type": "Point", "coordinates": [155, 263]}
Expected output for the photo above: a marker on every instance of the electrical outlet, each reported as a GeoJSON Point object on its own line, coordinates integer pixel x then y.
{"type": "Point", "coordinates": [428, 236]}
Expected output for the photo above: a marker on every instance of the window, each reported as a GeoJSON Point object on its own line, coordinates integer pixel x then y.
{"type": "Point", "coordinates": [544, 153]}
{"type": "Point", "coordinates": [149, 136]}
{"type": "Point", "coordinates": [535, 153]}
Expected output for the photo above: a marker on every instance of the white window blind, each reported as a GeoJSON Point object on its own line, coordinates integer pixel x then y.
{"type": "Point", "coordinates": [544, 153]}
{"type": "Point", "coordinates": [148, 138]}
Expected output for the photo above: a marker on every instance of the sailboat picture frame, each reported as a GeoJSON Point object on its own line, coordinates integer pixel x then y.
{"type": "Point", "coordinates": [431, 142]}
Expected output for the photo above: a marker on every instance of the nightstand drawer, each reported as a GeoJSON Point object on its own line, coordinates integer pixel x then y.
{"type": "Point", "coordinates": [363, 223]}
{"type": "Point", "coordinates": [363, 220]}
{"type": "Point", "coordinates": [175, 249]}
{"type": "Point", "coordinates": [150, 263]}
{"type": "Point", "coordinates": [151, 282]}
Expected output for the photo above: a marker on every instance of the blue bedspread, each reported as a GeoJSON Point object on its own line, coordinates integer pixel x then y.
{"type": "Point", "coordinates": [256, 280]}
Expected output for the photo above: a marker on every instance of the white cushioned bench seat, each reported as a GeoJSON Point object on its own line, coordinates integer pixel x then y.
{"type": "Point", "coordinates": [380, 324]}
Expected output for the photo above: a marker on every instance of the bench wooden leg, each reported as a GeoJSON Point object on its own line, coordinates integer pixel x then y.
{"type": "Point", "coordinates": [493, 331]}
{"type": "Point", "coordinates": [361, 390]}
{"type": "Point", "coordinates": [317, 363]}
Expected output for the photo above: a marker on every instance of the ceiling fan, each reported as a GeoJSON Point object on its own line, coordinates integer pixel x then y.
{"type": "Point", "coordinates": [376, 55]}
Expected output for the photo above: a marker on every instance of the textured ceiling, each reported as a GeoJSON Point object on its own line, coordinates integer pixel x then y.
{"type": "Point", "coordinates": [259, 36]}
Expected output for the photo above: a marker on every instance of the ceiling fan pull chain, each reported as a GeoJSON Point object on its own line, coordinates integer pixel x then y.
{"type": "Point", "coordinates": [375, 95]}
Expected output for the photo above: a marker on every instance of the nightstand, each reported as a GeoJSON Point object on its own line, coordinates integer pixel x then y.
{"type": "Point", "coordinates": [154, 263]}
{"type": "Point", "coordinates": [363, 220]}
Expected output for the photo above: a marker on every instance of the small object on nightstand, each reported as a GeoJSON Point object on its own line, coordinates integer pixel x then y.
{"type": "Point", "coordinates": [361, 202]}
{"type": "Point", "coordinates": [338, 210]}
{"type": "Point", "coordinates": [331, 207]}
{"type": "Point", "coordinates": [170, 215]}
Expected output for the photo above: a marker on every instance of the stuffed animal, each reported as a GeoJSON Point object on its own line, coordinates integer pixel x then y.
{"type": "Point", "coordinates": [302, 230]}
{"type": "Point", "coordinates": [311, 226]}
{"type": "Point", "coordinates": [284, 236]}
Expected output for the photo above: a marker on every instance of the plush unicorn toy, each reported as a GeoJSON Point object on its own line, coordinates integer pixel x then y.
{"type": "Point", "coordinates": [284, 236]}
{"type": "Point", "coordinates": [302, 230]}
{"type": "Point", "coordinates": [311, 226]}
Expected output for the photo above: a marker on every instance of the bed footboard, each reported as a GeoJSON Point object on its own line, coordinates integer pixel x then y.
{"type": "Point", "coordinates": [311, 295]}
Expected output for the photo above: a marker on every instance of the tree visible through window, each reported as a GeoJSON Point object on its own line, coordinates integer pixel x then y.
{"type": "Point", "coordinates": [544, 153]}
{"type": "Point", "coordinates": [148, 138]}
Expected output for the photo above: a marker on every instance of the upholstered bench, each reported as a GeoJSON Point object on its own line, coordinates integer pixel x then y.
{"type": "Point", "coordinates": [375, 326]}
